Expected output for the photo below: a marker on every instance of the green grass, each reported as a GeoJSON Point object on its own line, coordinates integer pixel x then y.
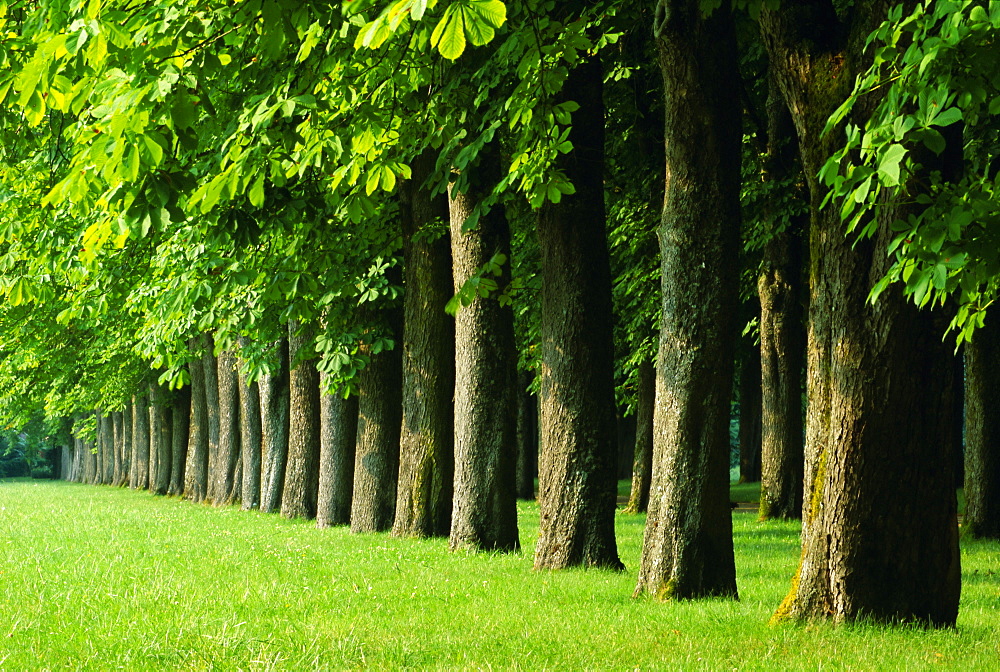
{"type": "Point", "coordinates": [100, 578]}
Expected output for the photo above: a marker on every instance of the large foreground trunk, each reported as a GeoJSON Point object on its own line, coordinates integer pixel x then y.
{"type": "Point", "coordinates": [577, 488]}
{"type": "Point", "coordinates": [688, 545]}
{"type": "Point", "coordinates": [880, 535]}
{"type": "Point", "coordinates": [484, 515]}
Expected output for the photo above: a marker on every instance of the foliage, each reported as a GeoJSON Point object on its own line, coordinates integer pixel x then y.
{"type": "Point", "coordinates": [932, 139]}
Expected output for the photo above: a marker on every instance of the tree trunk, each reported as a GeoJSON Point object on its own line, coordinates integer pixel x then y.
{"type": "Point", "coordinates": [180, 418]}
{"type": "Point", "coordinates": [274, 412]}
{"type": "Point", "coordinates": [118, 477]}
{"type": "Point", "coordinates": [484, 513]}
{"type": "Point", "coordinates": [982, 432]}
{"type": "Point", "coordinates": [250, 442]}
{"type": "Point", "coordinates": [228, 479]}
{"type": "Point", "coordinates": [782, 344]}
{"type": "Point", "coordinates": [688, 546]}
{"type": "Point", "coordinates": [376, 459]}
{"type": "Point", "coordinates": [298, 499]}
{"type": "Point", "coordinates": [140, 443]}
{"type": "Point", "coordinates": [426, 449]}
{"type": "Point", "coordinates": [642, 467]}
{"type": "Point", "coordinates": [107, 449]}
{"type": "Point", "coordinates": [750, 410]}
{"type": "Point", "coordinates": [577, 488]}
{"type": "Point", "coordinates": [161, 433]}
{"type": "Point", "coordinates": [880, 535]}
{"type": "Point", "coordinates": [196, 466]}
{"type": "Point", "coordinates": [338, 440]}
{"type": "Point", "coordinates": [128, 454]}
{"type": "Point", "coordinates": [527, 437]}
{"type": "Point", "coordinates": [210, 368]}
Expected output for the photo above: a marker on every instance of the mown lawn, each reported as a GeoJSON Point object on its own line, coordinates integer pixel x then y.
{"type": "Point", "coordinates": [103, 578]}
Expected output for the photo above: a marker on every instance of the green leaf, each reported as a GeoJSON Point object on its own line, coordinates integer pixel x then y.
{"type": "Point", "coordinates": [933, 140]}
{"type": "Point", "coordinates": [449, 34]}
{"type": "Point", "coordinates": [256, 193]}
{"type": "Point", "coordinates": [888, 165]}
{"type": "Point", "coordinates": [493, 11]}
{"type": "Point", "coordinates": [948, 117]}
{"type": "Point", "coordinates": [154, 149]}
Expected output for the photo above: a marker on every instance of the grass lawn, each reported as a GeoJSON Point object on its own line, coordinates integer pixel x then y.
{"type": "Point", "coordinates": [101, 578]}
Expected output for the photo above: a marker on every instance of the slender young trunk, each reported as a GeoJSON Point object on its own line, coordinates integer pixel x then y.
{"type": "Point", "coordinates": [250, 442]}
{"type": "Point", "coordinates": [688, 545]}
{"type": "Point", "coordinates": [161, 432]}
{"type": "Point", "coordinates": [338, 440]}
{"type": "Point", "coordinates": [527, 437]}
{"type": "Point", "coordinates": [982, 433]}
{"type": "Point", "coordinates": [107, 449]}
{"type": "Point", "coordinates": [376, 459]}
{"type": "Point", "coordinates": [642, 468]}
{"type": "Point", "coordinates": [180, 419]}
{"type": "Point", "coordinates": [228, 479]}
{"type": "Point", "coordinates": [879, 534]}
{"type": "Point", "coordinates": [298, 499]}
{"type": "Point", "coordinates": [484, 513]}
{"type": "Point", "coordinates": [128, 453]}
{"type": "Point", "coordinates": [140, 442]}
{"type": "Point", "coordinates": [274, 412]}
{"type": "Point", "coordinates": [577, 487]}
{"type": "Point", "coordinates": [196, 466]}
{"type": "Point", "coordinates": [782, 339]}
{"type": "Point", "coordinates": [210, 367]}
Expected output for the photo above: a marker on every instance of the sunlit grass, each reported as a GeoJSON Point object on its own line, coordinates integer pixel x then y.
{"type": "Point", "coordinates": [100, 578]}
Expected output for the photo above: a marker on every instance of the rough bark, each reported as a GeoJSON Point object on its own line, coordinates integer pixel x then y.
{"type": "Point", "coordinates": [298, 498]}
{"type": "Point", "coordinates": [642, 464]}
{"type": "Point", "coordinates": [527, 437]}
{"type": "Point", "coordinates": [180, 419]}
{"type": "Point", "coordinates": [982, 433]}
{"type": "Point", "coordinates": [750, 410]}
{"type": "Point", "coordinates": [196, 465]}
{"type": "Point", "coordinates": [210, 373]}
{"type": "Point", "coordinates": [140, 443]}
{"type": "Point", "coordinates": [107, 449]}
{"type": "Point", "coordinates": [577, 488]}
{"type": "Point", "coordinates": [250, 442]}
{"type": "Point", "coordinates": [161, 433]}
{"type": "Point", "coordinates": [338, 440]}
{"type": "Point", "coordinates": [880, 535]}
{"type": "Point", "coordinates": [274, 412]}
{"type": "Point", "coordinates": [426, 452]}
{"type": "Point", "coordinates": [484, 513]}
{"type": "Point", "coordinates": [782, 338]}
{"type": "Point", "coordinates": [380, 414]}
{"type": "Point", "coordinates": [118, 428]}
{"type": "Point", "coordinates": [228, 478]}
{"type": "Point", "coordinates": [128, 449]}
{"type": "Point", "coordinates": [688, 545]}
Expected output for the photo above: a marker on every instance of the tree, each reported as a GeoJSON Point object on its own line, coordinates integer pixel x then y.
{"type": "Point", "coordinates": [880, 539]}
{"type": "Point", "coordinates": [274, 412]}
{"type": "Point", "coordinates": [982, 440]}
{"type": "Point", "coordinates": [484, 515]}
{"type": "Point", "coordinates": [576, 479]}
{"type": "Point", "coordinates": [426, 451]}
{"type": "Point", "coordinates": [338, 441]}
{"type": "Point", "coordinates": [298, 499]}
{"type": "Point", "coordinates": [688, 546]}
